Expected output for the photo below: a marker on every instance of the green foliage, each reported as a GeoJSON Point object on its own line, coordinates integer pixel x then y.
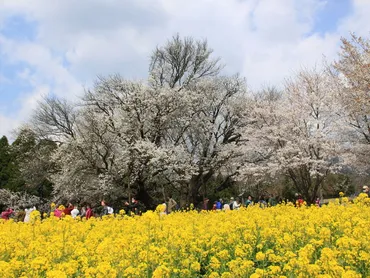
{"type": "Point", "coordinates": [4, 162]}
{"type": "Point", "coordinates": [33, 157]}
{"type": "Point", "coordinates": [24, 164]}
{"type": "Point", "coordinates": [336, 183]}
{"type": "Point", "coordinates": [10, 177]}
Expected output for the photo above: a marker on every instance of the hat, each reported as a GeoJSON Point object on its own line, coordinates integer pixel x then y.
{"type": "Point", "coordinates": [365, 187]}
{"type": "Point", "coordinates": [232, 198]}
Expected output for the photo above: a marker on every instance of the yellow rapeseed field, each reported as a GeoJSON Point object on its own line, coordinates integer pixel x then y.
{"type": "Point", "coordinates": [281, 241]}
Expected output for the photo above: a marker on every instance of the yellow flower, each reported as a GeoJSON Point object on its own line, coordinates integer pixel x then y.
{"type": "Point", "coordinates": [161, 272]}
{"type": "Point", "coordinates": [213, 275]}
{"type": "Point", "coordinates": [280, 241]}
{"type": "Point", "coordinates": [122, 212]}
{"type": "Point", "coordinates": [226, 274]}
{"type": "Point", "coordinates": [223, 254]}
{"type": "Point", "coordinates": [214, 263]}
{"type": "Point", "coordinates": [351, 274]}
{"type": "Point", "coordinates": [260, 256]}
{"type": "Point", "coordinates": [55, 274]}
{"type": "Point", "coordinates": [195, 266]}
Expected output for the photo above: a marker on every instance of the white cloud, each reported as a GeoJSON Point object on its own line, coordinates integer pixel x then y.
{"type": "Point", "coordinates": [358, 22]}
{"type": "Point", "coordinates": [264, 40]}
{"type": "Point", "coordinates": [7, 125]}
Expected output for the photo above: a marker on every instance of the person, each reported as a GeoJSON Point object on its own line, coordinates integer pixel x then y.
{"type": "Point", "coordinates": [365, 189]}
{"type": "Point", "coordinates": [300, 201]}
{"type": "Point", "coordinates": [231, 203]}
{"type": "Point", "coordinates": [214, 207]}
{"type": "Point", "coordinates": [226, 207]}
{"type": "Point", "coordinates": [248, 201]}
{"type": "Point", "coordinates": [236, 204]}
{"type": "Point", "coordinates": [58, 212]}
{"type": "Point", "coordinates": [89, 212]}
{"type": "Point", "coordinates": [171, 204]}
{"type": "Point", "coordinates": [262, 201]}
{"type": "Point", "coordinates": [75, 212]}
{"type": "Point", "coordinates": [7, 213]}
{"type": "Point", "coordinates": [21, 214]}
{"type": "Point", "coordinates": [68, 209]}
{"type": "Point", "coordinates": [134, 207]}
{"type": "Point", "coordinates": [106, 208]}
{"type": "Point", "coordinates": [317, 202]}
{"type": "Point", "coordinates": [83, 211]}
{"type": "Point", "coordinates": [164, 209]}
{"type": "Point", "coordinates": [28, 214]}
{"type": "Point", "coordinates": [219, 204]}
{"type": "Point", "coordinates": [205, 203]}
{"type": "Point", "coordinates": [271, 201]}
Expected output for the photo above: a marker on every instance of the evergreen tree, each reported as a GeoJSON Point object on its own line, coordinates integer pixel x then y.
{"type": "Point", "coordinates": [10, 176]}
{"type": "Point", "coordinates": [4, 161]}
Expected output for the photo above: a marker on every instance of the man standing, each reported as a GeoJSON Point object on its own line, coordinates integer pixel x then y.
{"type": "Point", "coordinates": [249, 201]}
{"type": "Point", "coordinates": [171, 204]}
{"type": "Point", "coordinates": [28, 212]}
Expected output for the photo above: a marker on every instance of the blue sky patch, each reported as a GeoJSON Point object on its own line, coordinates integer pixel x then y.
{"type": "Point", "coordinates": [17, 27]}
{"type": "Point", "coordinates": [328, 18]}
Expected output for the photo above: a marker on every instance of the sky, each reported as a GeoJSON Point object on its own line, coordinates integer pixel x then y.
{"type": "Point", "coordinates": [59, 47]}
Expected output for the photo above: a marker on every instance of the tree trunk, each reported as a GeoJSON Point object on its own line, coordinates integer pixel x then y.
{"type": "Point", "coordinates": [196, 183]}
{"type": "Point", "coordinates": [143, 196]}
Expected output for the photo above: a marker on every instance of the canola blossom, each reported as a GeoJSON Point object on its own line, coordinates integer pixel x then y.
{"type": "Point", "coordinates": [281, 241]}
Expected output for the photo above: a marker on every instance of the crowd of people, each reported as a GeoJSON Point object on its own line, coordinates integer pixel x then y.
{"type": "Point", "coordinates": [135, 207]}
{"type": "Point", "coordinates": [74, 210]}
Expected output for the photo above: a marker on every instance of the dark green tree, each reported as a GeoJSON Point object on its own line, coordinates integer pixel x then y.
{"type": "Point", "coordinates": [33, 157]}
{"type": "Point", "coordinates": [10, 177]}
{"type": "Point", "coordinates": [4, 162]}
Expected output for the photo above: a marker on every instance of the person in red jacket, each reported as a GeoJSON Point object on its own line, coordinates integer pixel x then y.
{"type": "Point", "coordinates": [300, 201]}
{"type": "Point", "coordinates": [6, 214]}
{"type": "Point", "coordinates": [89, 212]}
{"type": "Point", "coordinates": [67, 210]}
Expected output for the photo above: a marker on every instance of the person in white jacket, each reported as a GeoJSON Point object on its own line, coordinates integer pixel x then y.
{"type": "Point", "coordinates": [28, 214]}
{"type": "Point", "coordinates": [75, 212]}
{"type": "Point", "coordinates": [236, 204]}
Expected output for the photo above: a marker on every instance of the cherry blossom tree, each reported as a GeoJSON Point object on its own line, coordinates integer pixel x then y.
{"type": "Point", "coordinates": [295, 135]}
{"type": "Point", "coordinates": [351, 76]}
{"type": "Point", "coordinates": [122, 144]}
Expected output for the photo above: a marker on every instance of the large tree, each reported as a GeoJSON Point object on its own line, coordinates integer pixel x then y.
{"type": "Point", "coordinates": [171, 135]}
{"type": "Point", "coordinates": [33, 157]}
{"type": "Point", "coordinates": [295, 135]}
{"type": "Point", "coordinates": [10, 177]}
{"type": "Point", "coordinates": [122, 143]}
{"type": "Point", "coordinates": [5, 160]}
{"type": "Point", "coordinates": [351, 76]}
{"type": "Point", "coordinates": [136, 139]}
